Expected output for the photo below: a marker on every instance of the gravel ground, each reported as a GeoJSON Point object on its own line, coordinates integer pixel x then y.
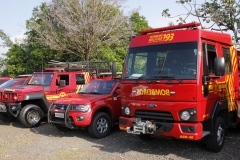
{"type": "Point", "coordinates": [47, 143]}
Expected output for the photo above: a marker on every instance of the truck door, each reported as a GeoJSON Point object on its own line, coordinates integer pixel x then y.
{"type": "Point", "coordinates": [116, 103]}
{"type": "Point", "coordinates": [64, 85]}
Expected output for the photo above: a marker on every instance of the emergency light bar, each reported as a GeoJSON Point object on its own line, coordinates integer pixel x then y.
{"type": "Point", "coordinates": [187, 25]}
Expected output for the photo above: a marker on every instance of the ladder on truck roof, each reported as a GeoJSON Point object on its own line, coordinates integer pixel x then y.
{"type": "Point", "coordinates": [96, 67]}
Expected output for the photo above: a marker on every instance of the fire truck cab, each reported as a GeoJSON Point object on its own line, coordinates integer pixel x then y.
{"type": "Point", "coordinates": [181, 82]}
{"type": "Point", "coordinates": [31, 102]}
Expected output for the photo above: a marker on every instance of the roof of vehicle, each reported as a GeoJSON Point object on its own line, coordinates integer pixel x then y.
{"type": "Point", "coordinates": [4, 79]}
{"type": "Point", "coordinates": [15, 82]}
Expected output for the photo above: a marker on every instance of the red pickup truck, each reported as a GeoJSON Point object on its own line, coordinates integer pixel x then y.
{"type": "Point", "coordinates": [31, 102]}
{"type": "Point", "coordinates": [96, 107]}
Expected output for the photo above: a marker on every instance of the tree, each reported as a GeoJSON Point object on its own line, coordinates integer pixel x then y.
{"type": "Point", "coordinates": [25, 59]}
{"type": "Point", "coordinates": [6, 40]}
{"type": "Point", "coordinates": [6, 43]}
{"type": "Point", "coordinates": [138, 22]}
{"type": "Point", "coordinates": [117, 50]}
{"type": "Point", "coordinates": [225, 14]}
{"type": "Point", "coordinates": [79, 27]}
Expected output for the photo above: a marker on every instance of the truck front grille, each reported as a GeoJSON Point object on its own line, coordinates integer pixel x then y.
{"type": "Point", "coordinates": [8, 96]}
{"type": "Point", "coordinates": [61, 106]}
{"type": "Point", "coordinates": [158, 116]}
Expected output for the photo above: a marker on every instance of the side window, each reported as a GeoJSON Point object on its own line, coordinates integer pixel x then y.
{"type": "Point", "coordinates": [211, 55]}
{"type": "Point", "coordinates": [62, 77]}
{"type": "Point", "coordinates": [228, 65]}
{"type": "Point", "coordinates": [21, 83]}
{"type": "Point", "coordinates": [80, 79]}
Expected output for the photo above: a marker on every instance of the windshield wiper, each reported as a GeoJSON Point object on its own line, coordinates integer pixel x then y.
{"type": "Point", "coordinates": [94, 93]}
{"type": "Point", "coordinates": [171, 77]}
{"type": "Point", "coordinates": [82, 93]}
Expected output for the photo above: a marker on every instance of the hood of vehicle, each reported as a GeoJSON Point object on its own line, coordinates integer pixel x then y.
{"type": "Point", "coordinates": [26, 88]}
{"type": "Point", "coordinates": [80, 98]}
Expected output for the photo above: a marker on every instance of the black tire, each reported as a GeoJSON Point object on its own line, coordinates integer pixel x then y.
{"type": "Point", "coordinates": [145, 137]}
{"type": "Point", "coordinates": [7, 118]}
{"type": "Point", "coordinates": [215, 142]}
{"type": "Point", "coordinates": [62, 128]}
{"type": "Point", "coordinates": [100, 125]}
{"type": "Point", "coordinates": [31, 116]}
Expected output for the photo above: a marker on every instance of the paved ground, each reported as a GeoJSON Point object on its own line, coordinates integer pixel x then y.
{"type": "Point", "coordinates": [47, 143]}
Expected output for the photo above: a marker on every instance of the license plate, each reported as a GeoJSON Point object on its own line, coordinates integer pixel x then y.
{"type": "Point", "coordinates": [59, 115]}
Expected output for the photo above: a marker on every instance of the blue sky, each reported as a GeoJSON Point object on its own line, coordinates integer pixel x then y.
{"type": "Point", "coordinates": [14, 13]}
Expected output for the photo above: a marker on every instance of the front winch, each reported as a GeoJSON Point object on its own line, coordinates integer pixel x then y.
{"type": "Point", "coordinates": [3, 108]}
{"type": "Point", "coordinates": [142, 127]}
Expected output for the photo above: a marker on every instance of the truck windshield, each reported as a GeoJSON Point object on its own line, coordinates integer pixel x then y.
{"type": "Point", "coordinates": [164, 61]}
{"type": "Point", "coordinates": [43, 79]}
{"type": "Point", "coordinates": [98, 87]}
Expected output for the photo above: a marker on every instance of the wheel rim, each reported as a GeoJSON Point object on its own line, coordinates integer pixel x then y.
{"type": "Point", "coordinates": [102, 125]}
{"type": "Point", "coordinates": [220, 135]}
{"type": "Point", "coordinates": [33, 117]}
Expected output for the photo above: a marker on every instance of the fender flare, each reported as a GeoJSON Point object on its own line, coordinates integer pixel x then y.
{"type": "Point", "coordinates": [38, 96]}
{"type": "Point", "coordinates": [219, 105]}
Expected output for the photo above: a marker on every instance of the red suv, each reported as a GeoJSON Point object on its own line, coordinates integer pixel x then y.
{"type": "Point", "coordinates": [96, 107]}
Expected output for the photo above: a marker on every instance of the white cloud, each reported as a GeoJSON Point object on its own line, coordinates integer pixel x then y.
{"type": "Point", "coordinates": [19, 38]}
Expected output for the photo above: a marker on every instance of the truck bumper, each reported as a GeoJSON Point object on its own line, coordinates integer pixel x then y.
{"type": "Point", "coordinates": [11, 109]}
{"type": "Point", "coordinates": [71, 119]}
{"type": "Point", "coordinates": [178, 130]}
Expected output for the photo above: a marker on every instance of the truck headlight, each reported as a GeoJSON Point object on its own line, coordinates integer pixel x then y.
{"type": "Point", "coordinates": [81, 107]}
{"type": "Point", "coordinates": [127, 110]}
{"type": "Point", "coordinates": [188, 114]}
{"type": "Point", "coordinates": [185, 115]}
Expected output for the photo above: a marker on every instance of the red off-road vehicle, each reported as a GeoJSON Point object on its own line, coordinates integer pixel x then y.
{"type": "Point", "coordinates": [31, 102]}
{"type": "Point", "coordinates": [97, 107]}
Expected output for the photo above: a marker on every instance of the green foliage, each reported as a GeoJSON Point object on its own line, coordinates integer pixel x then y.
{"type": "Point", "coordinates": [138, 22]}
{"type": "Point", "coordinates": [22, 59]}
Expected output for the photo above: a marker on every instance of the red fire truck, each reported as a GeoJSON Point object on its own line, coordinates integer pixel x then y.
{"type": "Point", "coordinates": [181, 82]}
{"type": "Point", "coordinates": [31, 102]}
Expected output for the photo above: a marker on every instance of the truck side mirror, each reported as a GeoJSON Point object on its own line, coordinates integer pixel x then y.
{"type": "Point", "coordinates": [219, 66]}
{"type": "Point", "coordinates": [118, 91]}
{"type": "Point", "coordinates": [62, 83]}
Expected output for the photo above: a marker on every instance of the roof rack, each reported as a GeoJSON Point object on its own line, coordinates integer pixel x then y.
{"type": "Point", "coordinates": [24, 75]}
{"type": "Point", "coordinates": [180, 26]}
{"type": "Point", "coordinates": [92, 66]}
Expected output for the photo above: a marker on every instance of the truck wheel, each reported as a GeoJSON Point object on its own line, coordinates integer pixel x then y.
{"type": "Point", "coordinates": [62, 128]}
{"type": "Point", "coordinates": [31, 115]}
{"type": "Point", "coordinates": [100, 125]}
{"type": "Point", "coordinates": [6, 118]}
{"type": "Point", "coordinates": [215, 142]}
{"type": "Point", "coordinates": [145, 137]}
